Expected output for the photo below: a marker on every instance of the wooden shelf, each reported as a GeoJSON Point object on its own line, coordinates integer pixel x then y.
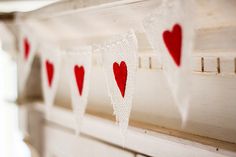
{"type": "Point", "coordinates": [212, 110]}
{"type": "Point", "coordinates": [141, 138]}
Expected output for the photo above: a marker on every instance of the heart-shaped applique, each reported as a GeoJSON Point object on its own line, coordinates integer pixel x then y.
{"type": "Point", "coordinates": [79, 76]}
{"type": "Point", "coordinates": [50, 72]}
{"type": "Point", "coordinates": [173, 42]}
{"type": "Point", "coordinates": [120, 73]}
{"type": "Point", "coordinates": [26, 48]}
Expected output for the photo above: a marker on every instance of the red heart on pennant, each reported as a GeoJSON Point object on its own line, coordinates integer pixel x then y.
{"type": "Point", "coordinates": [79, 76]}
{"type": "Point", "coordinates": [26, 48]}
{"type": "Point", "coordinates": [120, 72]}
{"type": "Point", "coordinates": [50, 72]}
{"type": "Point", "coordinates": [173, 42]}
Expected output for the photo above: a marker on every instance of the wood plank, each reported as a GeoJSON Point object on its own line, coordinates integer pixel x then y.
{"type": "Point", "coordinates": [60, 143]}
{"type": "Point", "coordinates": [210, 64]}
{"type": "Point", "coordinates": [149, 127]}
{"type": "Point", "coordinates": [156, 143]}
{"type": "Point", "coordinates": [98, 21]}
{"type": "Point", "coordinates": [210, 13]}
{"type": "Point", "coordinates": [227, 65]}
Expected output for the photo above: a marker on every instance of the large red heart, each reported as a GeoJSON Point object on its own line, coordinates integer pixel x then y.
{"type": "Point", "coordinates": [79, 76]}
{"type": "Point", "coordinates": [173, 42]}
{"type": "Point", "coordinates": [26, 48]}
{"type": "Point", "coordinates": [50, 72]}
{"type": "Point", "coordinates": [120, 72]}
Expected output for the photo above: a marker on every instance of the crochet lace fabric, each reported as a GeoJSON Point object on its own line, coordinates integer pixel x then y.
{"type": "Point", "coordinates": [119, 57]}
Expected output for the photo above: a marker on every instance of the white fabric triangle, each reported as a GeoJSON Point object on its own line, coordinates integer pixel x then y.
{"type": "Point", "coordinates": [121, 53]}
{"type": "Point", "coordinates": [28, 47]}
{"type": "Point", "coordinates": [170, 18]}
{"type": "Point", "coordinates": [79, 68]}
{"type": "Point", "coordinates": [50, 59]}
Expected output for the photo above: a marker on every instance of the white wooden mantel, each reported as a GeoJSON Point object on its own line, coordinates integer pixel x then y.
{"type": "Point", "coordinates": [155, 128]}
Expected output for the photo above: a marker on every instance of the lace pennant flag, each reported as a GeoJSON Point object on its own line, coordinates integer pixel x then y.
{"type": "Point", "coordinates": [27, 46]}
{"type": "Point", "coordinates": [120, 66]}
{"type": "Point", "coordinates": [50, 69]}
{"type": "Point", "coordinates": [78, 68]}
{"type": "Point", "coordinates": [170, 30]}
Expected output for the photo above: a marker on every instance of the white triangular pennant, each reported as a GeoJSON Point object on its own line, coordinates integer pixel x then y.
{"type": "Point", "coordinates": [119, 57]}
{"type": "Point", "coordinates": [27, 46]}
{"type": "Point", "coordinates": [50, 72]}
{"type": "Point", "coordinates": [170, 31]}
{"type": "Point", "coordinates": [78, 68]}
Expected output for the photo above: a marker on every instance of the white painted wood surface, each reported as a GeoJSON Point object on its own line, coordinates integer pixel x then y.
{"type": "Point", "coordinates": [59, 138]}
{"type": "Point", "coordinates": [94, 23]}
{"type": "Point", "coordinates": [212, 110]}
{"type": "Point", "coordinates": [140, 155]}
{"type": "Point", "coordinates": [60, 143]}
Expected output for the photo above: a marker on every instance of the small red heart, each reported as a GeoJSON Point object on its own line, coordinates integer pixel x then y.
{"type": "Point", "coordinates": [79, 75]}
{"type": "Point", "coordinates": [120, 72]}
{"type": "Point", "coordinates": [50, 72]}
{"type": "Point", "coordinates": [173, 42]}
{"type": "Point", "coordinates": [26, 48]}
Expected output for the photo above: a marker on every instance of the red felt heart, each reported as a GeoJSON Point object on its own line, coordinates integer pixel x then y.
{"type": "Point", "coordinates": [173, 42]}
{"type": "Point", "coordinates": [120, 72]}
{"type": "Point", "coordinates": [26, 48]}
{"type": "Point", "coordinates": [50, 72]}
{"type": "Point", "coordinates": [79, 75]}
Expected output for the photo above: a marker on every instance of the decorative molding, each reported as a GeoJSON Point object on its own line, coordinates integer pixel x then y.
{"type": "Point", "coordinates": [203, 64]}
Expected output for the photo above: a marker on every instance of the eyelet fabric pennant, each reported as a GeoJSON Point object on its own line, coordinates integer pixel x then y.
{"type": "Point", "coordinates": [119, 56]}
{"type": "Point", "coordinates": [50, 72]}
{"type": "Point", "coordinates": [27, 50]}
{"type": "Point", "coordinates": [170, 30]}
{"type": "Point", "coordinates": [79, 62]}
